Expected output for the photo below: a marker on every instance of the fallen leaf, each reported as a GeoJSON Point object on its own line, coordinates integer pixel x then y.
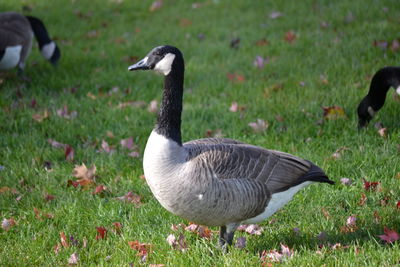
{"type": "Point", "coordinates": [64, 240]}
{"type": "Point", "coordinates": [326, 213]}
{"type": "Point", "coordinates": [377, 218]}
{"type": "Point", "coordinates": [383, 132]}
{"type": "Point", "coordinates": [153, 106]}
{"type": "Point", "coordinates": [91, 95]}
{"type": "Point", "coordinates": [55, 144]}
{"type": "Point", "coordinates": [350, 226]}
{"type": "Point", "coordinates": [390, 235]}
{"type": "Point", "coordinates": [143, 249]}
{"type": "Point", "coordinates": [127, 143]}
{"type": "Point", "coordinates": [99, 189]}
{"type": "Point", "coordinates": [69, 153]}
{"type": "Point", "coordinates": [262, 42]}
{"type": "Point", "coordinates": [5, 189]}
{"type": "Point", "coordinates": [398, 204]}
{"type": "Point", "coordinates": [363, 199]}
{"type": "Point", "coordinates": [290, 37]}
{"type": "Point", "coordinates": [6, 224]}
{"type": "Point", "coordinates": [339, 152]}
{"type": "Point", "coordinates": [213, 133]}
{"type": "Point", "coordinates": [345, 181]}
{"type": "Point", "coordinates": [275, 14]}
{"type": "Point", "coordinates": [156, 5]}
{"type": "Point", "coordinates": [101, 233]}
{"type": "Point", "coordinates": [131, 198]}
{"type": "Point", "coordinates": [276, 256]}
{"type": "Point", "coordinates": [105, 147]}
{"type": "Point", "coordinates": [178, 244]}
{"type": "Point", "coordinates": [66, 114]}
{"type": "Point", "coordinates": [252, 229]}
{"type": "Point", "coordinates": [48, 197]}
{"type": "Point", "coordinates": [259, 125]}
{"type": "Point", "coordinates": [117, 227]}
{"type": "Point", "coordinates": [73, 259]}
{"type": "Point", "coordinates": [81, 171]}
{"type": "Point", "coordinates": [260, 62]}
{"type": "Point", "coordinates": [39, 117]}
{"type": "Point", "coordinates": [333, 113]}
{"type": "Point", "coordinates": [201, 231]}
{"type": "Point", "coordinates": [370, 186]}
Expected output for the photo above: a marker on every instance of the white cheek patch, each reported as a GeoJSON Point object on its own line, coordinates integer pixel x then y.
{"type": "Point", "coordinates": [398, 90]}
{"type": "Point", "coordinates": [48, 50]}
{"type": "Point", "coordinates": [11, 57]}
{"type": "Point", "coordinates": [164, 65]}
{"type": "Point", "coordinates": [371, 111]}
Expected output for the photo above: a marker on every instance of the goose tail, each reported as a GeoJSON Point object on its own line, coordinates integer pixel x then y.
{"type": "Point", "coordinates": [315, 174]}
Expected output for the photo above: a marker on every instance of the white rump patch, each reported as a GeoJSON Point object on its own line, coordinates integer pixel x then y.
{"type": "Point", "coordinates": [11, 57]}
{"type": "Point", "coordinates": [398, 90]}
{"type": "Point", "coordinates": [371, 111]}
{"type": "Point", "coordinates": [277, 201]}
{"type": "Point", "coordinates": [164, 65]}
{"type": "Point", "coordinates": [200, 196]}
{"type": "Point", "coordinates": [48, 50]}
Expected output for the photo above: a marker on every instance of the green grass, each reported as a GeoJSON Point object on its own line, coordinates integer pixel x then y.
{"type": "Point", "coordinates": [343, 53]}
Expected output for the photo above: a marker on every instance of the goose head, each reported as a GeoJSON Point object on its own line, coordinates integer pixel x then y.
{"type": "Point", "coordinates": [163, 59]}
{"type": "Point", "coordinates": [365, 112]}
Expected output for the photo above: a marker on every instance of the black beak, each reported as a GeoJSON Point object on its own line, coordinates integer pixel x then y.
{"type": "Point", "coordinates": [141, 65]}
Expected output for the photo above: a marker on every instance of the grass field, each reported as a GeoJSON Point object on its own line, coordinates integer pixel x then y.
{"type": "Point", "coordinates": [319, 53]}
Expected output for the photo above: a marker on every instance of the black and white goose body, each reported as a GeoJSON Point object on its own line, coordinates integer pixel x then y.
{"type": "Point", "coordinates": [214, 181]}
{"type": "Point", "coordinates": [381, 82]}
{"type": "Point", "coordinates": [16, 33]}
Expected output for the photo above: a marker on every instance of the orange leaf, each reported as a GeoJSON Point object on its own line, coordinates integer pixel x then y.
{"type": "Point", "coordinates": [64, 240]}
{"type": "Point", "coordinates": [290, 37]}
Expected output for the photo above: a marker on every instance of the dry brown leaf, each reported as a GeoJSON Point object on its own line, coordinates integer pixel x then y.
{"type": "Point", "coordinates": [39, 117]}
{"type": "Point", "coordinates": [334, 113]}
{"type": "Point", "coordinates": [83, 172]}
{"type": "Point", "coordinates": [290, 37]}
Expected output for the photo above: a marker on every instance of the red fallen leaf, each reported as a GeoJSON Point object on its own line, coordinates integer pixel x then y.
{"type": "Point", "coordinates": [143, 249]}
{"type": "Point", "coordinates": [6, 224]}
{"type": "Point", "coordinates": [156, 5]}
{"type": "Point", "coordinates": [99, 189]}
{"type": "Point", "coordinates": [117, 227]}
{"type": "Point", "coordinates": [333, 113]}
{"type": "Point", "coordinates": [33, 103]}
{"type": "Point", "coordinates": [64, 240]}
{"type": "Point", "coordinates": [69, 153]}
{"type": "Point", "coordinates": [390, 235]}
{"type": "Point", "coordinates": [370, 186]}
{"type": "Point", "coordinates": [363, 199]}
{"type": "Point", "coordinates": [101, 233]}
{"type": "Point", "coordinates": [236, 78]}
{"type": "Point", "coordinates": [200, 230]}
{"type": "Point", "coordinates": [73, 259]}
{"type": "Point", "coordinates": [398, 204]}
{"type": "Point", "coordinates": [48, 197]}
{"type": "Point", "coordinates": [72, 183]}
{"type": "Point", "coordinates": [262, 42]}
{"type": "Point", "coordinates": [290, 37]}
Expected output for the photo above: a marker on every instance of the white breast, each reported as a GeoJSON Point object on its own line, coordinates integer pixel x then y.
{"type": "Point", "coordinates": [277, 201]}
{"type": "Point", "coordinates": [163, 160]}
{"type": "Point", "coordinates": [11, 57]}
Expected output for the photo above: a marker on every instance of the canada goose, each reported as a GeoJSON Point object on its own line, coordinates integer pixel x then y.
{"type": "Point", "coordinates": [214, 181]}
{"type": "Point", "coordinates": [382, 80]}
{"type": "Point", "coordinates": [16, 32]}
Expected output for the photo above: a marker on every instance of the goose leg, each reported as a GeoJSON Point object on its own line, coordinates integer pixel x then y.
{"type": "Point", "coordinates": [226, 235]}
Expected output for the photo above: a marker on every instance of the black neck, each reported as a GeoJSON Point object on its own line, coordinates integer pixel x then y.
{"type": "Point", "coordinates": [381, 82]}
{"type": "Point", "coordinates": [39, 30]}
{"type": "Point", "coordinates": [169, 117]}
